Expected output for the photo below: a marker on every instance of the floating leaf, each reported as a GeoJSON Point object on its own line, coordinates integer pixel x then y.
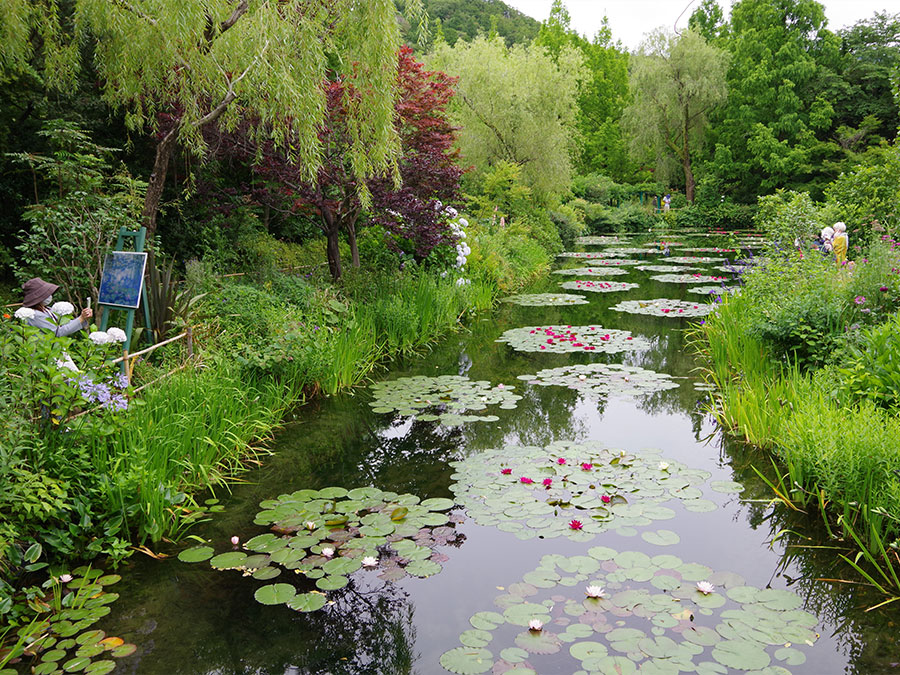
{"type": "Point", "coordinates": [307, 602]}
{"type": "Point", "coordinates": [423, 568]}
{"type": "Point", "coordinates": [275, 594]}
{"type": "Point", "coordinates": [546, 300]}
{"type": "Point", "coordinates": [196, 554]}
{"type": "Point", "coordinates": [597, 271]}
{"type": "Point", "coordinates": [101, 667]}
{"type": "Point", "coordinates": [741, 654]}
{"type": "Point", "coordinates": [450, 397]}
{"type": "Point", "coordinates": [661, 538]}
{"type": "Point", "coordinates": [689, 279]}
{"type": "Point", "coordinates": [563, 339]}
{"type": "Point", "coordinates": [467, 660]}
{"type": "Point", "coordinates": [331, 583]}
{"type": "Point", "coordinates": [602, 379]}
{"type": "Point", "coordinates": [664, 307]}
{"type": "Point", "coordinates": [598, 286]}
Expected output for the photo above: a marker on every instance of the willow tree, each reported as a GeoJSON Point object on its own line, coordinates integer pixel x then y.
{"type": "Point", "coordinates": [676, 80]}
{"type": "Point", "coordinates": [175, 67]}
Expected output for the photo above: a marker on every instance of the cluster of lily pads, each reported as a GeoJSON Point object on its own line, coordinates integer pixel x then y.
{"type": "Point", "coordinates": [597, 286]}
{"type": "Point", "coordinates": [665, 307]}
{"type": "Point", "coordinates": [64, 642]}
{"type": "Point", "coordinates": [563, 339]}
{"type": "Point", "coordinates": [577, 490]}
{"type": "Point", "coordinates": [694, 259]}
{"type": "Point", "coordinates": [632, 250]}
{"type": "Point", "coordinates": [579, 254]}
{"type": "Point", "coordinates": [627, 612]}
{"type": "Point", "coordinates": [598, 260]}
{"type": "Point", "coordinates": [712, 290]}
{"type": "Point", "coordinates": [665, 268]}
{"type": "Point", "coordinates": [446, 398]}
{"type": "Point", "coordinates": [603, 379]}
{"type": "Point", "coordinates": [688, 278]}
{"type": "Point", "coordinates": [603, 271]}
{"type": "Point", "coordinates": [598, 241]}
{"type": "Point", "coordinates": [324, 536]}
{"type": "Point", "coordinates": [709, 249]}
{"type": "Point", "coordinates": [546, 299]}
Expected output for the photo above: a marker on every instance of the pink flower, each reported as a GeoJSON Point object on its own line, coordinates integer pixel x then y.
{"type": "Point", "coordinates": [561, 460]}
{"type": "Point", "coordinates": [586, 466]}
{"type": "Point", "coordinates": [526, 480]}
{"type": "Point", "coordinates": [547, 482]}
{"type": "Point", "coordinates": [506, 472]}
{"type": "Point", "coordinates": [606, 499]}
{"type": "Point", "coordinates": [235, 540]}
{"type": "Point", "coordinates": [859, 299]}
{"type": "Point", "coordinates": [575, 525]}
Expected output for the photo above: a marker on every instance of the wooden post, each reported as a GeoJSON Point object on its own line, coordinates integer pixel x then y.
{"type": "Point", "coordinates": [190, 343]}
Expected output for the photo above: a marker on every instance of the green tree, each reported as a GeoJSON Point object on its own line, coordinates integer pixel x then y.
{"type": "Point", "coordinates": [708, 20]}
{"type": "Point", "coordinates": [677, 80]}
{"type": "Point", "coordinates": [516, 104]}
{"type": "Point", "coordinates": [175, 68]}
{"type": "Point", "coordinates": [771, 131]}
{"type": "Point", "coordinates": [466, 19]}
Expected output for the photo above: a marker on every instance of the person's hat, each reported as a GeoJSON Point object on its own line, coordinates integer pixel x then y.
{"type": "Point", "coordinates": [36, 291]}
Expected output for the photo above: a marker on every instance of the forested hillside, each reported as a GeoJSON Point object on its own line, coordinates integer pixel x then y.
{"type": "Point", "coordinates": [466, 18]}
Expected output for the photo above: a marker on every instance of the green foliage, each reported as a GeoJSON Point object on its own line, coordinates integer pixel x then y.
{"type": "Point", "coordinates": [517, 105]}
{"type": "Point", "coordinates": [83, 201]}
{"type": "Point", "coordinates": [569, 223]}
{"type": "Point", "coordinates": [716, 215]}
{"type": "Point", "coordinates": [786, 217]}
{"type": "Point", "coordinates": [870, 369]}
{"type": "Point", "coordinates": [869, 193]}
{"type": "Point", "coordinates": [466, 19]}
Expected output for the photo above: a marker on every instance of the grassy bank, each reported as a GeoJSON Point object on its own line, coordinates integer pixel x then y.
{"type": "Point", "coordinates": [805, 360]}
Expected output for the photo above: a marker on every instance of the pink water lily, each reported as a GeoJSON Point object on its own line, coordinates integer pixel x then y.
{"type": "Point", "coordinates": [586, 466]}
{"type": "Point", "coordinates": [561, 460]}
{"type": "Point", "coordinates": [606, 499]}
{"type": "Point", "coordinates": [526, 480]}
{"type": "Point", "coordinates": [575, 525]}
{"type": "Point", "coordinates": [547, 482]}
{"type": "Point", "coordinates": [506, 472]}
{"type": "Point", "coordinates": [235, 540]}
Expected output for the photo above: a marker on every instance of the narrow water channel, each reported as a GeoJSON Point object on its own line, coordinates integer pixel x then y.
{"type": "Point", "coordinates": [189, 618]}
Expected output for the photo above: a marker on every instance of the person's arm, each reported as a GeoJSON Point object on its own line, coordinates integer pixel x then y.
{"type": "Point", "coordinates": [73, 326]}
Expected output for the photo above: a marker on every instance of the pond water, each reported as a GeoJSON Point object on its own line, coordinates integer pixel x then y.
{"type": "Point", "coordinates": [190, 618]}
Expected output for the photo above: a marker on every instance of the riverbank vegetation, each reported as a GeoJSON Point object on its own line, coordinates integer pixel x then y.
{"type": "Point", "coordinates": [311, 223]}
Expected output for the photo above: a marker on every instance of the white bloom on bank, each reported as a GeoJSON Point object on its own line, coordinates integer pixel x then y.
{"type": "Point", "coordinates": [328, 551]}
{"type": "Point", "coordinates": [595, 592]}
{"type": "Point", "coordinates": [369, 561]}
{"type": "Point", "coordinates": [463, 222]}
{"type": "Point", "coordinates": [462, 282]}
{"type": "Point", "coordinates": [62, 308]}
{"type": "Point", "coordinates": [99, 337]}
{"type": "Point", "coordinates": [438, 205]}
{"type": "Point", "coordinates": [24, 313]}
{"type": "Point", "coordinates": [450, 211]}
{"type": "Point", "coordinates": [663, 466]}
{"type": "Point", "coordinates": [117, 334]}
{"type": "Point", "coordinates": [535, 624]}
{"type": "Point", "coordinates": [705, 587]}
{"type": "Point", "coordinates": [67, 363]}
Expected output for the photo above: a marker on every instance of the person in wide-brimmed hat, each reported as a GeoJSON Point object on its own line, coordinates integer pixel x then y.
{"type": "Point", "coordinates": [38, 296]}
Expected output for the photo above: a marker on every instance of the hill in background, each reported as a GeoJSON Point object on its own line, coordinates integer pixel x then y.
{"type": "Point", "coordinates": [466, 18]}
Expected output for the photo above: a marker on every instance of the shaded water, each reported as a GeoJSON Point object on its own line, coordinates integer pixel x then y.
{"type": "Point", "coordinates": [192, 619]}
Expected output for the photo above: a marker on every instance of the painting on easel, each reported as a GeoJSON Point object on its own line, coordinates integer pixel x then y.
{"type": "Point", "coordinates": [123, 279]}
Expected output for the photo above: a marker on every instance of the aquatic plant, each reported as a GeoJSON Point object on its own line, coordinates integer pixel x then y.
{"type": "Point", "coordinates": [631, 251]}
{"type": "Point", "coordinates": [658, 615]}
{"type": "Point", "coordinates": [665, 268]}
{"type": "Point", "coordinates": [363, 527]}
{"type": "Point", "coordinates": [665, 307]}
{"type": "Point", "coordinates": [448, 398]}
{"type": "Point", "coordinates": [598, 241]}
{"type": "Point", "coordinates": [592, 271]}
{"type": "Point", "coordinates": [597, 286]}
{"type": "Point", "coordinates": [695, 259]}
{"type": "Point", "coordinates": [601, 259]}
{"type": "Point", "coordinates": [688, 278]}
{"type": "Point", "coordinates": [635, 487]}
{"type": "Point", "coordinates": [546, 299]}
{"type": "Point", "coordinates": [603, 379]}
{"type": "Point", "coordinates": [562, 339]}
{"type": "Point", "coordinates": [712, 290]}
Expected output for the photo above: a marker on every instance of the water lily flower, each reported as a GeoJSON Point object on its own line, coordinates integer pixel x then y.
{"type": "Point", "coordinates": [310, 525]}
{"type": "Point", "coordinates": [595, 592]}
{"type": "Point", "coordinates": [586, 466]}
{"type": "Point", "coordinates": [526, 480]}
{"type": "Point", "coordinates": [575, 525]}
{"type": "Point", "coordinates": [705, 587]}
{"type": "Point", "coordinates": [547, 482]}
{"type": "Point", "coordinates": [501, 386]}
{"type": "Point", "coordinates": [369, 561]}
{"type": "Point", "coordinates": [663, 466]}
{"type": "Point", "coordinates": [24, 313]}
{"type": "Point", "coordinates": [506, 472]}
{"type": "Point", "coordinates": [561, 460]}
{"type": "Point", "coordinates": [606, 499]}
{"type": "Point", "coordinates": [62, 308]}
{"type": "Point", "coordinates": [65, 578]}
{"type": "Point", "coordinates": [117, 335]}
{"type": "Point", "coordinates": [582, 377]}
{"type": "Point", "coordinates": [235, 540]}
{"type": "Point", "coordinates": [328, 551]}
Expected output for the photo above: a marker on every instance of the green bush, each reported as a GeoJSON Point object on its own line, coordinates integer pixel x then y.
{"type": "Point", "coordinates": [869, 195]}
{"type": "Point", "coordinates": [716, 215]}
{"type": "Point", "coordinates": [870, 367]}
{"type": "Point", "coordinates": [569, 222]}
{"type": "Point", "coordinates": [788, 216]}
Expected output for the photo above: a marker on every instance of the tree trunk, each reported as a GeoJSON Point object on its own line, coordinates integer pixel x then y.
{"type": "Point", "coordinates": [165, 148]}
{"type": "Point", "coordinates": [689, 182]}
{"type": "Point", "coordinates": [332, 230]}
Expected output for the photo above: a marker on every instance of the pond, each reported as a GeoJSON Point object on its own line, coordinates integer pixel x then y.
{"type": "Point", "coordinates": [593, 495]}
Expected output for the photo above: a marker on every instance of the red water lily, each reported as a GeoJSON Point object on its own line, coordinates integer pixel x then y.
{"type": "Point", "coordinates": [547, 482]}
{"type": "Point", "coordinates": [526, 480]}
{"type": "Point", "coordinates": [586, 466]}
{"type": "Point", "coordinates": [561, 460]}
{"type": "Point", "coordinates": [606, 499]}
{"type": "Point", "coordinates": [575, 525]}
{"type": "Point", "coordinates": [506, 472]}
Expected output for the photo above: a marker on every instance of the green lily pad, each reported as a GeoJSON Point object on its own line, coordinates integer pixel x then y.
{"type": "Point", "coordinates": [228, 561]}
{"type": "Point", "coordinates": [661, 538]}
{"type": "Point", "coordinates": [603, 379]}
{"type": "Point", "coordinates": [726, 486]}
{"type": "Point", "coordinates": [331, 583]}
{"type": "Point", "coordinates": [564, 339]}
{"type": "Point", "coordinates": [665, 308]}
{"type": "Point", "coordinates": [449, 397]}
{"type": "Point", "coordinates": [275, 594]}
{"type": "Point", "coordinates": [101, 667]}
{"type": "Point", "coordinates": [741, 654]}
{"type": "Point", "coordinates": [467, 660]}
{"type": "Point", "coordinates": [712, 290]}
{"type": "Point", "coordinates": [423, 568]}
{"type": "Point", "coordinates": [307, 602]}
{"type": "Point", "coordinates": [546, 300]}
{"type": "Point", "coordinates": [598, 286]}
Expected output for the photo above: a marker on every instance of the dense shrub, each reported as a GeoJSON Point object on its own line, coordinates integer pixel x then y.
{"type": "Point", "coordinates": [869, 195]}
{"type": "Point", "coordinates": [721, 215]}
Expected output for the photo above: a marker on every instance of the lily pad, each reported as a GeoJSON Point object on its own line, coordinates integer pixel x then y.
{"type": "Point", "coordinates": [595, 271]}
{"type": "Point", "coordinates": [694, 259]}
{"type": "Point", "coordinates": [275, 594]}
{"type": "Point", "coordinates": [689, 278]}
{"type": "Point", "coordinates": [564, 339]}
{"type": "Point", "coordinates": [448, 397]}
{"type": "Point", "coordinates": [597, 286]}
{"type": "Point", "coordinates": [665, 307]}
{"type": "Point", "coordinates": [546, 300]}
{"type": "Point", "coordinates": [712, 290]}
{"type": "Point", "coordinates": [467, 660]}
{"type": "Point", "coordinates": [603, 379]}
{"type": "Point", "coordinates": [307, 602]}
{"type": "Point", "coordinates": [599, 240]}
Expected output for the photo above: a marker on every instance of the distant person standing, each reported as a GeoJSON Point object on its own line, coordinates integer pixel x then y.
{"type": "Point", "coordinates": [827, 237]}
{"type": "Point", "coordinates": [667, 203]}
{"type": "Point", "coordinates": [38, 296]}
{"type": "Point", "coordinates": [841, 243]}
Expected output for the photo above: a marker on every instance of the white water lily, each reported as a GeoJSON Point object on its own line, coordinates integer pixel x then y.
{"type": "Point", "coordinates": [663, 466]}
{"type": "Point", "coordinates": [65, 578]}
{"type": "Point", "coordinates": [117, 335]}
{"type": "Point", "coordinates": [99, 337]}
{"type": "Point", "coordinates": [310, 525]}
{"type": "Point", "coordinates": [328, 551]}
{"type": "Point", "coordinates": [582, 377]}
{"type": "Point", "coordinates": [595, 592]}
{"type": "Point", "coordinates": [705, 587]}
{"type": "Point", "coordinates": [24, 313]}
{"type": "Point", "coordinates": [369, 561]}
{"type": "Point", "coordinates": [62, 308]}
{"type": "Point", "coordinates": [535, 624]}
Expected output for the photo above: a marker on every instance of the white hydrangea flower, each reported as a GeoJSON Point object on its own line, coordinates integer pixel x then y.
{"type": "Point", "coordinates": [24, 313]}
{"type": "Point", "coordinates": [463, 222]}
{"type": "Point", "coordinates": [66, 363]}
{"type": "Point", "coordinates": [62, 308]}
{"type": "Point", "coordinates": [117, 335]}
{"type": "Point", "coordinates": [99, 337]}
